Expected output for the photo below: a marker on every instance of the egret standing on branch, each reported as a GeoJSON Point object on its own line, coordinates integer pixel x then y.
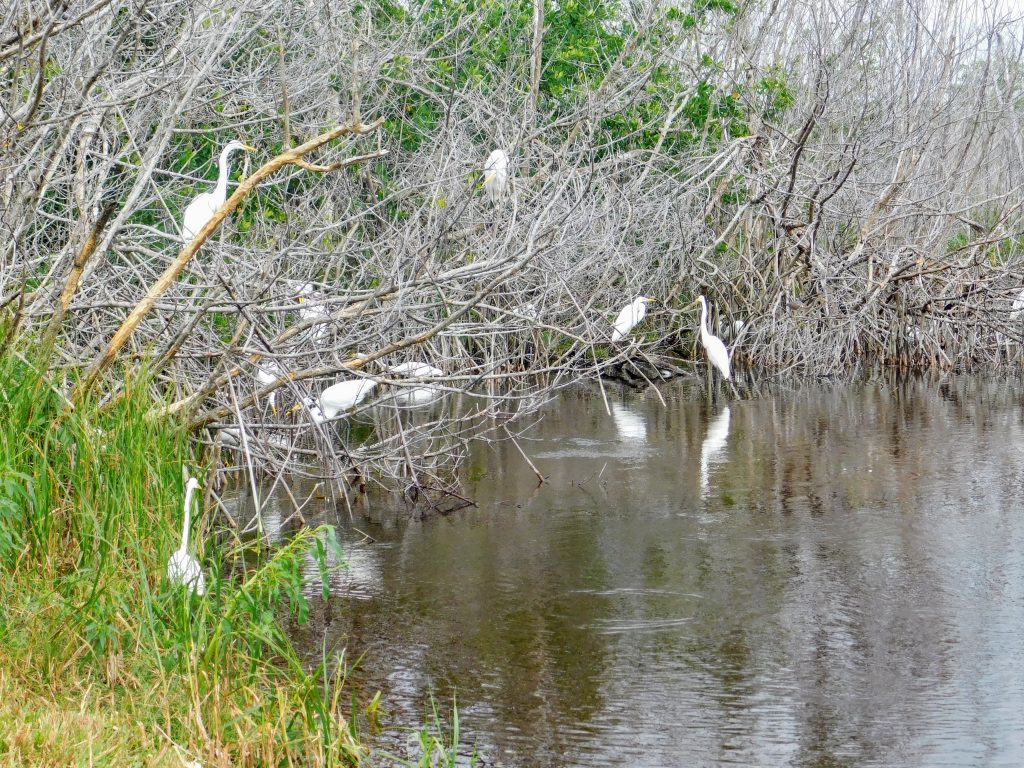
{"type": "Point", "coordinates": [182, 568]}
{"type": "Point", "coordinates": [267, 372]}
{"type": "Point", "coordinates": [201, 209]}
{"type": "Point", "coordinates": [496, 176]}
{"type": "Point", "coordinates": [717, 353]}
{"type": "Point", "coordinates": [314, 311]}
{"type": "Point", "coordinates": [630, 316]}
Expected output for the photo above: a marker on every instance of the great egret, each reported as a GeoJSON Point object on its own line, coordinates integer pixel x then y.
{"type": "Point", "coordinates": [338, 398]}
{"type": "Point", "coordinates": [182, 568]}
{"type": "Point", "coordinates": [416, 395]}
{"type": "Point", "coordinates": [415, 369]}
{"type": "Point", "coordinates": [312, 312]}
{"type": "Point", "coordinates": [717, 353]}
{"type": "Point", "coordinates": [201, 209]}
{"type": "Point", "coordinates": [630, 316]}
{"type": "Point", "coordinates": [496, 175]}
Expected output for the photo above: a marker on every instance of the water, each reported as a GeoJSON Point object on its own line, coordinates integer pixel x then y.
{"type": "Point", "coordinates": [832, 575]}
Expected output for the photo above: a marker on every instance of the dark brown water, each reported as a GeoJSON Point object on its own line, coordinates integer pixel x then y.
{"type": "Point", "coordinates": [829, 575]}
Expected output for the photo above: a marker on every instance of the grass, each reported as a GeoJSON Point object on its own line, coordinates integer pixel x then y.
{"type": "Point", "coordinates": [102, 662]}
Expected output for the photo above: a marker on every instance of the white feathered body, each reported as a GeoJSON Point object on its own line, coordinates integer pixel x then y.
{"type": "Point", "coordinates": [202, 208]}
{"type": "Point", "coordinates": [345, 395]}
{"type": "Point", "coordinates": [184, 569]}
{"type": "Point", "coordinates": [415, 369]}
{"type": "Point", "coordinates": [496, 175]}
{"type": "Point", "coordinates": [716, 351]}
{"type": "Point", "coordinates": [200, 211]}
{"type": "Point", "coordinates": [629, 317]}
{"type": "Point", "coordinates": [267, 373]}
{"type": "Point", "coordinates": [314, 311]}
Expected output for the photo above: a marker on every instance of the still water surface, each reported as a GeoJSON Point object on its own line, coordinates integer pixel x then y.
{"type": "Point", "coordinates": [827, 575]}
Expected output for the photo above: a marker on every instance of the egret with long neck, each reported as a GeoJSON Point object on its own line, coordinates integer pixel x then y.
{"type": "Point", "coordinates": [716, 351]}
{"type": "Point", "coordinates": [182, 568]}
{"type": "Point", "coordinates": [201, 209]}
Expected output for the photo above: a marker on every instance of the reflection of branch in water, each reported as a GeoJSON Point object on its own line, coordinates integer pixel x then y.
{"type": "Point", "coordinates": [588, 478]}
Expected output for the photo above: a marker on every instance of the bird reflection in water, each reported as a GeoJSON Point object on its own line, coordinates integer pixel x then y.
{"type": "Point", "coordinates": [714, 443]}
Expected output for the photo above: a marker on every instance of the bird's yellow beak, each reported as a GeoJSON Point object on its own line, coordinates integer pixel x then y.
{"type": "Point", "coordinates": [247, 148]}
{"type": "Point", "coordinates": [649, 299]}
{"type": "Point", "coordinates": [300, 299]}
{"type": "Point", "coordinates": [293, 409]}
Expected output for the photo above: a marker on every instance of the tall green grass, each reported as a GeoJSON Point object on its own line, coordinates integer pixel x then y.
{"type": "Point", "coordinates": [102, 661]}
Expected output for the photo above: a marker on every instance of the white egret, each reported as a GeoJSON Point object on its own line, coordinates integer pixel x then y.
{"type": "Point", "coordinates": [182, 568]}
{"type": "Point", "coordinates": [201, 209]}
{"type": "Point", "coordinates": [1017, 306]}
{"type": "Point", "coordinates": [267, 372]}
{"type": "Point", "coordinates": [630, 316]}
{"type": "Point", "coordinates": [314, 312]}
{"type": "Point", "coordinates": [415, 369]}
{"type": "Point", "coordinates": [338, 398]}
{"type": "Point", "coordinates": [496, 175]}
{"type": "Point", "coordinates": [717, 353]}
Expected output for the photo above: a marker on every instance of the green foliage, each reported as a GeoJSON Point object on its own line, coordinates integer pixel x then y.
{"type": "Point", "coordinates": [91, 510]}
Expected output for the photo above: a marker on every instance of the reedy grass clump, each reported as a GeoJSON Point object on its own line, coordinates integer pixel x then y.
{"type": "Point", "coordinates": [102, 661]}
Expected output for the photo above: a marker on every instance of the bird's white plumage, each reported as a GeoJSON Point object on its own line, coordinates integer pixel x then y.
{"type": "Point", "coordinates": [416, 369]}
{"type": "Point", "coordinates": [629, 316]}
{"type": "Point", "coordinates": [202, 208]}
{"type": "Point", "coordinates": [338, 398]}
{"type": "Point", "coordinates": [1018, 305]}
{"type": "Point", "coordinates": [182, 568]}
{"type": "Point", "coordinates": [311, 310]}
{"type": "Point", "coordinates": [267, 373]}
{"type": "Point", "coordinates": [716, 351]}
{"type": "Point", "coordinates": [496, 175]}
{"type": "Point", "coordinates": [313, 406]}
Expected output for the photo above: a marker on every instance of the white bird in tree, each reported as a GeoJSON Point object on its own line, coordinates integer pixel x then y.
{"type": "Point", "coordinates": [496, 176]}
{"type": "Point", "coordinates": [267, 372]}
{"type": "Point", "coordinates": [202, 208]}
{"type": "Point", "coordinates": [415, 369]}
{"type": "Point", "coordinates": [182, 568]}
{"type": "Point", "coordinates": [313, 311]}
{"type": "Point", "coordinates": [630, 316]}
{"type": "Point", "coordinates": [338, 398]}
{"type": "Point", "coordinates": [716, 351]}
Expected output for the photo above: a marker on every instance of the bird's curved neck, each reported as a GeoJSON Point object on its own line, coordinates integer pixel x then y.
{"type": "Point", "coordinates": [188, 516]}
{"type": "Point", "coordinates": [703, 318]}
{"type": "Point", "coordinates": [221, 190]}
